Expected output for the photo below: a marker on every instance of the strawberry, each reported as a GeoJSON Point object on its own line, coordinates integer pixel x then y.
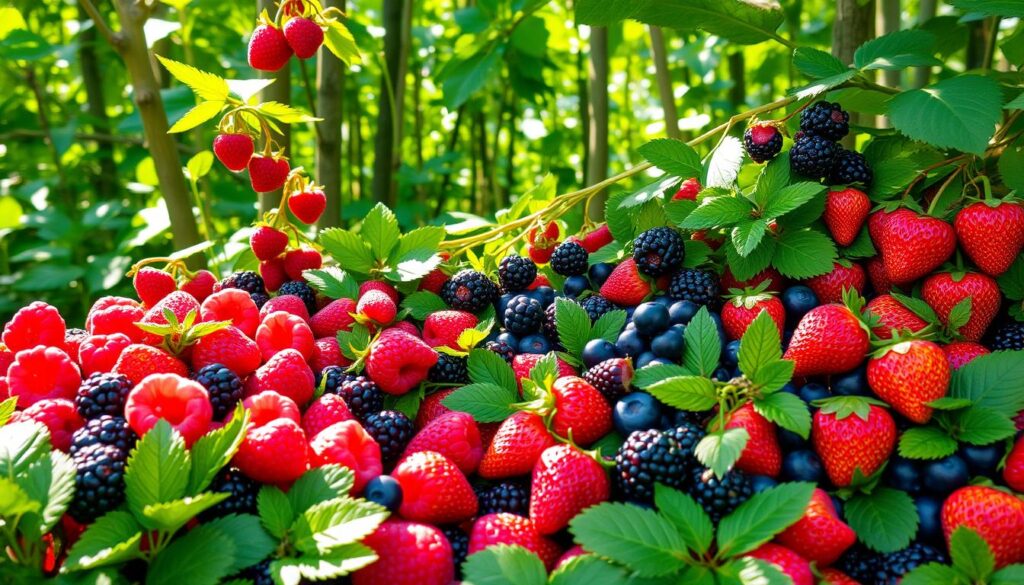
{"type": "Point", "coordinates": [1013, 472]}
{"type": "Point", "coordinates": [382, 286]}
{"type": "Point", "coordinates": [301, 259]}
{"type": "Point", "coordinates": [878, 275]}
{"type": "Point", "coordinates": [819, 535]}
{"type": "Point", "coordinates": [273, 452]}
{"type": "Point", "coordinates": [625, 286]}
{"type": "Point", "coordinates": [398, 361]}
{"type": "Point", "coordinates": [712, 239]}
{"type": "Point", "coordinates": [151, 285]}
{"type": "Point", "coordinates": [845, 213]}
{"type": "Point", "coordinates": [408, 553]}
{"type": "Point", "coordinates": [912, 245]}
{"type": "Point", "coordinates": [304, 37]}
{"type": "Point", "coordinates": [513, 530]}
{"type": "Point", "coordinates": [960, 353]}
{"type": "Point", "coordinates": [776, 283]}
{"type": "Point", "coordinates": [434, 490]}
{"type": "Point", "coordinates": [741, 310]}
{"type": "Point", "coordinates": [829, 339]}
{"type": "Point", "coordinates": [762, 454]}
{"type": "Point", "coordinates": [268, 173]}
{"type": "Point", "coordinates": [998, 517]}
{"type": "Point", "coordinates": [688, 190]}
{"type": "Point", "coordinates": [597, 239]}
{"type": "Point", "coordinates": [832, 576]}
{"type": "Point", "coordinates": [273, 273]}
{"type": "Point", "coordinates": [991, 234]}
{"type": "Point", "coordinates": [516, 446]}
{"type": "Point", "coordinates": [541, 245]}
{"type": "Point", "coordinates": [454, 435]}
{"type": "Point", "coordinates": [909, 375]}
{"type": "Point", "coordinates": [565, 482]}
{"type": "Point", "coordinates": [893, 316]}
{"type": "Point", "coordinates": [377, 307]}
{"type": "Point", "coordinates": [138, 361]}
{"type": "Point", "coordinates": [234, 150]}
{"type": "Point", "coordinates": [334, 317]}
{"type": "Point", "coordinates": [268, 50]}
{"type": "Point", "coordinates": [442, 328]}
{"type": "Point", "coordinates": [944, 290]}
{"type": "Point", "coordinates": [852, 434]}
{"type": "Point", "coordinates": [581, 412]}
{"type": "Point", "coordinates": [790, 563]}
{"type": "Point", "coordinates": [268, 242]}
{"type": "Point", "coordinates": [308, 205]}
{"type": "Point", "coordinates": [200, 285]}
{"type": "Point", "coordinates": [524, 362]}
{"type": "Point", "coordinates": [845, 275]}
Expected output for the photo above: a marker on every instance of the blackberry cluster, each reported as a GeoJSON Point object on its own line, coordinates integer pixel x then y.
{"type": "Point", "coordinates": [596, 305]}
{"type": "Point", "coordinates": [104, 430]}
{"type": "Point", "coordinates": [99, 481]}
{"type": "Point", "coordinates": [523, 315]}
{"type": "Point", "coordinates": [243, 490]}
{"type": "Point", "coordinates": [695, 285]}
{"type": "Point", "coordinates": [569, 259]}
{"type": "Point", "coordinates": [259, 299]}
{"type": "Point", "coordinates": [247, 280]}
{"type": "Point", "coordinates": [652, 456]}
{"type": "Point", "coordinates": [469, 290]}
{"type": "Point", "coordinates": [301, 290]}
{"type": "Point", "coordinates": [459, 541]}
{"type": "Point", "coordinates": [506, 351]}
{"type": "Point", "coordinates": [825, 119]}
{"type": "Point", "coordinates": [849, 168]}
{"type": "Point", "coordinates": [362, 397]}
{"type": "Point", "coordinates": [392, 430]}
{"type": "Point", "coordinates": [658, 251]}
{"type": "Point", "coordinates": [449, 369]}
{"type": "Point", "coordinates": [515, 273]}
{"type": "Point", "coordinates": [508, 496]}
{"type": "Point", "coordinates": [331, 378]}
{"type": "Point", "coordinates": [719, 497]}
{"type": "Point", "coordinates": [812, 156]}
{"type": "Point", "coordinates": [549, 326]}
{"type": "Point", "coordinates": [223, 386]}
{"type": "Point", "coordinates": [1009, 336]}
{"type": "Point", "coordinates": [611, 378]}
{"type": "Point", "coordinates": [860, 563]}
{"type": "Point", "coordinates": [893, 566]}
{"type": "Point", "coordinates": [763, 142]}
{"type": "Point", "coordinates": [102, 393]}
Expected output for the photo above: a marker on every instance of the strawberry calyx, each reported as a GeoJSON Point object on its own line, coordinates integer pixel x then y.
{"type": "Point", "coordinates": [177, 335]}
{"type": "Point", "coordinates": [844, 406]}
{"type": "Point", "coordinates": [749, 297]}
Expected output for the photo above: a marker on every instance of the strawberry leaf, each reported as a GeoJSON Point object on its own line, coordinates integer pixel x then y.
{"type": "Point", "coordinates": [113, 538]}
{"type": "Point", "coordinates": [672, 156]}
{"type": "Point", "coordinates": [971, 554]}
{"type": "Point", "coordinates": [760, 518]}
{"type": "Point", "coordinates": [759, 346]}
{"type": "Point", "coordinates": [980, 425]}
{"type": "Point", "coordinates": [804, 253]}
{"type": "Point", "coordinates": [485, 402]}
{"type": "Point", "coordinates": [720, 450]}
{"type": "Point", "coordinates": [573, 325]}
{"type": "Point", "coordinates": [690, 519]}
{"type": "Point", "coordinates": [1008, 575]}
{"type": "Point", "coordinates": [786, 410]}
{"type": "Point", "coordinates": [693, 393]}
{"type": "Point", "coordinates": [504, 565]}
{"type": "Point", "coordinates": [641, 539]}
{"type": "Point", "coordinates": [335, 283]}
{"type": "Point", "coordinates": [936, 574]}
{"type": "Point", "coordinates": [157, 470]}
{"type": "Point", "coordinates": [716, 212]}
{"type": "Point", "coordinates": [585, 570]}
{"type": "Point", "coordinates": [485, 366]}
{"type": "Point", "coordinates": [703, 344]}
{"type": "Point", "coordinates": [276, 513]}
{"type": "Point", "coordinates": [992, 381]}
{"type": "Point", "coordinates": [319, 485]}
{"type": "Point", "coordinates": [885, 520]}
{"type": "Point", "coordinates": [926, 443]}
{"type": "Point", "coordinates": [7, 409]}
{"type": "Point", "coordinates": [758, 259]}
{"type": "Point", "coordinates": [647, 376]}
{"type": "Point", "coordinates": [607, 326]}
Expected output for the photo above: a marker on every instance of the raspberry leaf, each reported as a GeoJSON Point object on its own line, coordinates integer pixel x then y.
{"type": "Point", "coordinates": [319, 485]}
{"type": "Point", "coordinates": [339, 40]}
{"type": "Point", "coordinates": [215, 449]}
{"type": "Point", "coordinates": [775, 175]}
{"type": "Point", "coordinates": [720, 450]}
{"type": "Point", "coordinates": [335, 523]}
{"type": "Point", "coordinates": [928, 442]}
{"type": "Point", "coordinates": [157, 472]}
{"type": "Point", "coordinates": [719, 211]}
{"type": "Point", "coordinates": [334, 282]}
{"type": "Point", "coordinates": [791, 198]}
{"type": "Point", "coordinates": [202, 556]}
{"type": "Point", "coordinates": [968, 105]}
{"type": "Point", "coordinates": [252, 543]}
{"type": "Point", "coordinates": [505, 565]}
{"type": "Point", "coordinates": [113, 538]}
{"type": "Point", "coordinates": [690, 519]}
{"type": "Point", "coordinates": [804, 253]}
{"type": "Point", "coordinates": [760, 518]}
{"type": "Point", "coordinates": [648, 376]}
{"type": "Point", "coordinates": [641, 539]}
{"type": "Point", "coordinates": [703, 344]}
{"type": "Point", "coordinates": [693, 393]}
{"type": "Point", "coordinates": [747, 234]}
{"type": "Point", "coordinates": [340, 562]}
{"type": "Point", "coordinates": [422, 303]}
{"type": "Point", "coordinates": [971, 554]}
{"type": "Point", "coordinates": [170, 516]}
{"type": "Point", "coordinates": [649, 192]}
{"type": "Point", "coordinates": [487, 367]}
{"type": "Point", "coordinates": [758, 259]}
{"type": "Point", "coordinates": [897, 50]}
{"type": "Point", "coordinates": [276, 513]}
{"type": "Point", "coordinates": [885, 520]}
{"type": "Point", "coordinates": [206, 86]}
{"type": "Point", "coordinates": [347, 249]}
{"type": "Point", "coordinates": [672, 156]}
{"type": "Point", "coordinates": [484, 401]}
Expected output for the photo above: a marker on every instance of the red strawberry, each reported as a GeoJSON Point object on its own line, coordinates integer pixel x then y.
{"type": "Point", "coordinates": [39, 324]}
{"type": "Point", "coordinates": [377, 307]}
{"type": "Point", "coordinates": [382, 286]}
{"type": "Point", "coordinates": [434, 490]}
{"type": "Point", "coordinates": [912, 245]}
{"type": "Point", "coordinates": [878, 276]}
{"type": "Point", "coordinates": [944, 290]}
{"type": "Point", "coordinates": [286, 373]}
{"type": "Point", "coordinates": [741, 310]}
{"type": "Point", "coordinates": [909, 375]}
{"type": "Point", "coordinates": [762, 454]}
{"type": "Point", "coordinates": [893, 315]}
{"type": "Point", "coordinates": [625, 286]}
{"type": "Point", "coordinates": [832, 576]}
{"type": "Point", "coordinates": [138, 361]}
{"type": "Point", "coordinates": [992, 235]}
{"type": "Point", "coordinates": [597, 239]}
{"type": "Point", "coordinates": [688, 190]}
{"type": "Point", "coordinates": [398, 361]}
{"type": "Point", "coordinates": [524, 362]}
{"type": "Point", "coordinates": [200, 285]}
{"type": "Point", "coordinates": [845, 275]}
{"type": "Point", "coordinates": [845, 213]}
{"type": "Point", "coordinates": [516, 446]}
{"type": "Point", "coordinates": [565, 482]}
{"type": "Point", "coordinates": [234, 150]}
{"type": "Point", "coordinates": [512, 530]}
{"type": "Point", "coordinates": [432, 407]}
{"type": "Point", "coordinates": [299, 260]}
{"type": "Point", "coordinates": [819, 535]}
{"type": "Point", "coordinates": [151, 285]}
{"type": "Point", "coordinates": [327, 353]}
{"type": "Point", "coordinates": [830, 339]}
{"type": "Point", "coordinates": [308, 205]}
{"type": "Point", "coordinates": [454, 435]}
{"type": "Point", "coordinates": [268, 173]}
{"type": "Point", "coordinates": [960, 353]}
{"type": "Point", "coordinates": [347, 443]}
{"type": "Point", "coordinates": [230, 348]}
{"type": "Point", "coordinates": [849, 434]}
{"type": "Point", "coordinates": [581, 412]}
{"type": "Point", "coordinates": [1013, 473]}
{"type": "Point", "coordinates": [268, 50]}
{"type": "Point", "coordinates": [442, 329]}
{"type": "Point", "coordinates": [304, 37]}
{"type": "Point", "coordinates": [268, 242]}
{"type": "Point", "coordinates": [713, 240]}
{"type": "Point", "coordinates": [408, 553]}
{"type": "Point", "coordinates": [998, 517]}
{"type": "Point", "coordinates": [790, 563]}
{"type": "Point", "coordinates": [334, 317]}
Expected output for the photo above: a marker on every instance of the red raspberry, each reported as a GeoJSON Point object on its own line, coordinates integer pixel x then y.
{"type": "Point", "coordinates": [442, 329]}
{"type": "Point", "coordinates": [234, 150]}
{"type": "Point", "coordinates": [382, 287]}
{"type": "Point", "coordinates": [116, 316]}
{"type": "Point", "coordinates": [290, 304]}
{"type": "Point", "coordinates": [181, 402]}
{"type": "Point", "coordinates": [138, 361]}
{"type": "Point", "coordinates": [407, 327]}
{"type": "Point", "coordinates": [99, 353]}
{"type": "Point", "coordinates": [179, 302]}
{"type": "Point", "coordinates": [454, 435]}
{"type": "Point", "coordinates": [434, 281]}
{"type": "Point", "coordinates": [286, 373]}
{"type": "Point", "coordinates": [597, 239]}
{"type": "Point", "coordinates": [304, 37]}
{"type": "Point", "coordinates": [267, 242]}
{"type": "Point", "coordinates": [688, 190]}
{"type": "Point", "coordinates": [326, 353]}
{"type": "Point", "coordinates": [268, 50]}
{"type": "Point", "coordinates": [398, 361]}
{"type": "Point", "coordinates": [59, 416]}
{"type": "Point", "coordinates": [36, 324]}
{"type": "Point", "coordinates": [335, 317]}
{"type": "Point", "coordinates": [377, 306]}
{"type": "Point", "coordinates": [73, 340]}
{"type": "Point", "coordinates": [105, 303]}
{"type": "Point", "coordinates": [408, 554]}
{"type": "Point", "coordinates": [5, 391]}
{"type": "Point", "coordinates": [324, 412]}
{"type": "Point", "coordinates": [200, 286]}
{"type": "Point", "coordinates": [151, 285]}
{"type": "Point", "coordinates": [235, 305]}
{"type": "Point", "coordinates": [539, 281]}
{"type": "Point", "coordinates": [279, 331]}
{"type": "Point", "coordinates": [42, 372]}
{"type": "Point", "coordinates": [269, 405]}
{"type": "Point", "coordinates": [273, 273]}
{"type": "Point", "coordinates": [6, 359]}
{"type": "Point", "coordinates": [228, 347]}
{"type": "Point", "coordinates": [308, 206]}
{"type": "Point", "coordinates": [347, 443]}
{"type": "Point", "coordinates": [434, 490]}
{"type": "Point", "coordinates": [275, 452]}
{"type": "Point", "coordinates": [304, 258]}
{"type": "Point", "coordinates": [432, 407]}
{"type": "Point", "coordinates": [510, 529]}
{"type": "Point", "coordinates": [267, 173]}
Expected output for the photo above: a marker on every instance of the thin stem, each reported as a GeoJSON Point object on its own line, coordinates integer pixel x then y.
{"type": "Point", "coordinates": [101, 23]}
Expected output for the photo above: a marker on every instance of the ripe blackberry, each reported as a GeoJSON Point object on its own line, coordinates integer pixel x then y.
{"type": "Point", "coordinates": [548, 326]}
{"type": "Point", "coordinates": [362, 396]}
{"type": "Point", "coordinates": [763, 141]}
{"type": "Point", "coordinates": [259, 573]}
{"type": "Point", "coordinates": [506, 351]}
{"type": "Point", "coordinates": [652, 456]}
{"type": "Point", "coordinates": [247, 280]}
{"type": "Point", "coordinates": [719, 497]}
{"type": "Point", "coordinates": [469, 290]}
{"type": "Point", "coordinates": [508, 496]}
{"type": "Point", "coordinates": [611, 378]}
{"type": "Point", "coordinates": [449, 369]}
{"type": "Point", "coordinates": [301, 290]}
{"type": "Point", "coordinates": [459, 541]}
{"type": "Point", "coordinates": [259, 298]}
{"type": "Point", "coordinates": [99, 482]}
{"type": "Point", "coordinates": [106, 430]}
{"type": "Point", "coordinates": [658, 251]}
{"type": "Point", "coordinates": [331, 378]}
{"type": "Point", "coordinates": [827, 120]}
{"type": "Point", "coordinates": [515, 273]}
{"type": "Point", "coordinates": [392, 430]}
{"type": "Point", "coordinates": [223, 386]}
{"type": "Point", "coordinates": [850, 168]}
{"type": "Point", "coordinates": [569, 259]}
{"type": "Point", "coordinates": [812, 156]}
{"type": "Point", "coordinates": [1009, 336]}
{"type": "Point", "coordinates": [243, 490]}
{"type": "Point", "coordinates": [698, 286]}
{"type": "Point", "coordinates": [894, 565]}
{"type": "Point", "coordinates": [523, 315]}
{"type": "Point", "coordinates": [102, 393]}
{"type": "Point", "coordinates": [596, 305]}
{"type": "Point", "coordinates": [860, 563]}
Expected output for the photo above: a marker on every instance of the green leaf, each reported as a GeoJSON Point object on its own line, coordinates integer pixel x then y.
{"type": "Point", "coordinates": [504, 565]}
{"type": "Point", "coordinates": [959, 112]}
{"type": "Point", "coordinates": [275, 510]}
{"type": "Point", "coordinates": [339, 41]}
{"type": "Point", "coordinates": [760, 345]}
{"type": "Point", "coordinates": [408, 403]}
{"type": "Point", "coordinates": [421, 304]}
{"type": "Point", "coordinates": [949, 403]}
{"type": "Point", "coordinates": [50, 482]}
{"type": "Point", "coordinates": [759, 259]}
{"type": "Point", "coordinates": [463, 76]}
{"type": "Point", "coordinates": [741, 21]}
{"type": "Point", "coordinates": [284, 113]}
{"type": "Point", "coordinates": [721, 211]}
{"type": "Point", "coordinates": [573, 324]}
{"type": "Point", "coordinates": [215, 449]}
{"type": "Point", "coordinates": [775, 375]}
{"type": "Point", "coordinates": [790, 198]}
{"type": "Point", "coordinates": [926, 443]}
{"type": "Point", "coordinates": [693, 393]}
{"type": "Point", "coordinates": [7, 409]}
{"type": "Point", "coordinates": [785, 410]}
{"type": "Point", "coordinates": [897, 50]}
{"type": "Point", "coordinates": [589, 570]}
{"type": "Point", "coordinates": [971, 554]}
{"type": "Point", "coordinates": [252, 543]}
{"type": "Point", "coordinates": [207, 86]}
{"type": "Point", "coordinates": [170, 516]}
{"type": "Point", "coordinates": [1011, 164]}
{"type": "Point", "coordinates": [203, 556]}
{"type": "Point", "coordinates": [992, 381]}
{"type": "Point", "coordinates": [416, 255]}
{"type": "Point", "coordinates": [672, 156]}
{"type": "Point", "coordinates": [979, 425]}
{"type": "Point", "coordinates": [340, 562]}
{"type": "Point", "coordinates": [720, 450]}
{"type": "Point", "coordinates": [647, 376]}
{"type": "Point", "coordinates": [885, 520]}
{"type": "Point", "coordinates": [822, 85]}
{"type": "Point", "coordinates": [157, 471]}
{"type": "Point", "coordinates": [608, 326]}
{"type": "Point", "coordinates": [380, 229]}
{"type": "Point", "coordinates": [702, 344]}
{"type": "Point", "coordinates": [638, 538]}
{"type": "Point", "coordinates": [619, 218]}
{"type": "Point", "coordinates": [747, 235]}
{"type": "Point", "coordinates": [751, 571]}
{"type": "Point", "coordinates": [113, 538]}
{"type": "Point", "coordinates": [1010, 8]}
{"type": "Point", "coordinates": [335, 283]}
{"type": "Point", "coordinates": [22, 444]}
{"type": "Point", "coordinates": [648, 192]}
{"type": "Point", "coordinates": [960, 314]}
{"type": "Point", "coordinates": [817, 64]}
{"type": "Point", "coordinates": [204, 112]}
{"type": "Point", "coordinates": [804, 253]}
{"type": "Point", "coordinates": [485, 401]}
{"type": "Point", "coordinates": [319, 485]}
{"type": "Point", "coordinates": [14, 501]}
{"type": "Point", "coordinates": [335, 523]}
{"type": "Point", "coordinates": [760, 518]}
{"type": "Point", "coordinates": [935, 574]}
{"type": "Point", "coordinates": [348, 250]}
{"type": "Point", "coordinates": [1008, 575]}
{"type": "Point", "coordinates": [690, 519]}
{"type": "Point", "coordinates": [487, 367]}
{"type": "Point", "coordinates": [892, 175]}
{"type": "Point", "coordinates": [773, 177]}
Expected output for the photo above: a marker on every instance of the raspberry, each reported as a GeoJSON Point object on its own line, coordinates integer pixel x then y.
{"type": "Point", "coordinates": [596, 306]}
{"type": "Point", "coordinates": [361, 395]}
{"type": "Point", "coordinates": [380, 285]}
{"type": "Point", "coordinates": [287, 373]}
{"type": "Point", "coordinates": [653, 456]}
{"type": "Point", "coordinates": [849, 168]}
{"type": "Point", "coordinates": [433, 281]}
{"type": "Point", "coordinates": [274, 452]}
{"type": "Point", "coordinates": [324, 412]}
{"type": "Point", "coordinates": [273, 273]}
{"type": "Point", "coordinates": [235, 305]}
{"type": "Point", "coordinates": [105, 430]}
{"type": "Point", "coordinates": [99, 482]}
{"type": "Point", "coordinates": [597, 239]}
{"type": "Point", "coordinates": [334, 317]}
{"type": "Point", "coordinates": [234, 150]}
{"type": "Point", "coordinates": [152, 285]}
{"type": "Point", "coordinates": [304, 37]}
{"type": "Point", "coordinates": [267, 242]}
{"type": "Point", "coordinates": [58, 415]}
{"type": "Point", "coordinates": [454, 435]}
{"type": "Point", "coordinates": [307, 206]}
{"type": "Point", "coordinates": [569, 259]}
{"type": "Point", "coordinates": [719, 497]}
{"type": "Point", "coordinates": [36, 324]}
{"type": "Point", "coordinates": [73, 339]}
{"type": "Point", "coordinates": [1009, 336]}
{"type": "Point", "coordinates": [827, 120]}
{"type": "Point", "coordinates": [280, 331]}
{"type": "Point", "coordinates": [116, 315]}
{"type": "Point", "coordinates": [138, 361]}
{"type": "Point", "coordinates": [327, 352]}
{"type": "Point", "coordinates": [392, 430]}
{"type": "Point", "coordinates": [515, 273]}
{"type": "Point", "coordinates": [398, 361]}
{"type": "Point", "coordinates": [442, 328]}
{"type": "Point", "coordinates": [299, 260]}
{"type": "Point", "coordinates": [469, 290]}
{"type": "Point", "coordinates": [223, 386]}
{"type": "Point", "coordinates": [812, 156]}
{"type": "Point", "coordinates": [99, 353]}
{"type": "Point", "coordinates": [201, 285]}
{"type": "Point", "coordinates": [506, 351]}
{"type": "Point", "coordinates": [377, 306]}
{"type": "Point", "coordinates": [102, 393]}
{"type": "Point", "coordinates": [433, 407]}
{"type": "Point", "coordinates": [348, 444]}
{"type": "Point", "coordinates": [180, 401]}
{"type": "Point", "coordinates": [290, 304]}
{"type": "Point", "coordinates": [658, 251]}
{"type": "Point", "coordinates": [449, 369]}
{"type": "Point", "coordinates": [229, 348]}
{"type": "Point", "coordinates": [688, 190]}
{"type": "Point", "coordinates": [697, 286]}
{"type": "Point", "coordinates": [302, 290]}
{"type": "Point", "coordinates": [270, 405]}
{"type": "Point", "coordinates": [247, 280]}
{"type": "Point", "coordinates": [763, 141]}
{"type": "Point", "coordinates": [510, 497]}
{"type": "Point", "coordinates": [408, 553]}
{"type": "Point", "coordinates": [40, 373]}
{"type": "Point", "coordinates": [268, 50]}
{"type": "Point", "coordinates": [243, 493]}
{"type": "Point", "coordinates": [611, 378]}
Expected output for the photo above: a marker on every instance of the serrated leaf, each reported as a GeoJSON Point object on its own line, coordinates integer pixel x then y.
{"type": "Point", "coordinates": [170, 516]}
{"type": "Point", "coordinates": [886, 520]}
{"type": "Point", "coordinates": [608, 326]}
{"type": "Point", "coordinates": [822, 85]}
{"type": "Point", "coordinates": [573, 325]}
{"type": "Point", "coordinates": [751, 571]}
{"type": "Point", "coordinates": [790, 198]}
{"type": "Point", "coordinates": [804, 253]}
{"type": "Point", "coordinates": [50, 482]}
{"type": "Point", "coordinates": [759, 259]}
{"type": "Point", "coordinates": [487, 367]}
{"type": "Point", "coordinates": [759, 346]}
{"type": "Point", "coordinates": [933, 574]}
{"type": "Point", "coordinates": [207, 86]}
{"type": "Point", "coordinates": [323, 483]}
{"type": "Point", "coordinates": [335, 283]}
{"type": "Point", "coordinates": [340, 562]}
{"type": "Point", "coordinates": [203, 112]}
{"type": "Point", "coordinates": [111, 539]}
{"type": "Point", "coordinates": [619, 218]}
{"type": "Point", "coordinates": [157, 470]}
{"type": "Point", "coordinates": [817, 64]}
{"type": "Point", "coordinates": [1008, 575]}
{"type": "Point", "coordinates": [991, 381]}
{"type": "Point", "coordinates": [380, 229]}
{"type": "Point", "coordinates": [638, 538]}
{"type": "Point", "coordinates": [252, 543]}
{"type": "Point", "coordinates": [504, 565]}
{"type": "Point", "coordinates": [760, 518]}
{"type": "Point", "coordinates": [715, 212]}
{"type": "Point", "coordinates": [693, 393]}
{"type": "Point", "coordinates": [336, 523]}
{"type": "Point", "coordinates": [747, 235]}
{"type": "Point", "coordinates": [959, 112]}
{"type": "Point", "coordinates": [960, 314]}
{"type": "Point", "coordinates": [484, 401]}
{"type": "Point", "coordinates": [971, 554]}
{"type": "Point", "coordinates": [702, 344]}
{"type": "Point", "coordinates": [202, 556]}
{"type": "Point", "coordinates": [22, 444]}
{"type": "Point", "coordinates": [339, 41]}
{"type": "Point", "coordinates": [646, 376]}
{"type": "Point", "coordinates": [949, 403]}
{"type": "Point", "coordinates": [275, 510]}
{"type": "Point", "coordinates": [926, 443]}
{"type": "Point", "coordinates": [648, 192]}
{"type": "Point", "coordinates": [348, 250]}
{"type": "Point", "coordinates": [979, 425]}
{"type": "Point", "coordinates": [720, 450]}
{"type": "Point", "coordinates": [690, 519]}
{"type": "Point", "coordinates": [1009, 8]}
{"type": "Point", "coordinates": [215, 449]}
{"type": "Point", "coordinates": [588, 570]}
{"type": "Point", "coordinates": [775, 375]}
{"type": "Point", "coordinates": [14, 501]}
{"type": "Point", "coordinates": [672, 156]}
{"type": "Point", "coordinates": [897, 50]}
{"type": "Point", "coordinates": [786, 410]}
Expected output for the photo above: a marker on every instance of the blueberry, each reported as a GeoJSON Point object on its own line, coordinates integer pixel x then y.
{"type": "Point", "coordinates": [797, 300]}
{"type": "Point", "coordinates": [982, 460]}
{"type": "Point", "coordinates": [678, 328]}
{"type": "Point", "coordinates": [791, 441]}
{"type": "Point", "coordinates": [903, 474]}
{"type": "Point", "coordinates": [630, 343]}
{"type": "Point", "coordinates": [651, 318]}
{"type": "Point", "coordinates": [722, 374]}
{"type": "Point", "coordinates": [837, 504]}
{"type": "Point", "coordinates": [943, 476]}
{"type": "Point", "coordinates": [384, 490]}
{"type": "Point", "coordinates": [680, 312]}
{"type": "Point", "coordinates": [668, 345]}
{"type": "Point", "coordinates": [636, 411]}
{"type": "Point", "coordinates": [629, 313]}
{"type": "Point", "coordinates": [599, 273]}
{"type": "Point", "coordinates": [663, 300]}
{"type": "Point", "coordinates": [535, 343]}
{"type": "Point", "coordinates": [854, 383]}
{"type": "Point", "coordinates": [544, 294]}
{"type": "Point", "coordinates": [597, 351]}
{"type": "Point", "coordinates": [789, 387]}
{"type": "Point", "coordinates": [503, 302]}
{"type": "Point", "coordinates": [731, 357]}
{"type": "Point", "coordinates": [645, 358]}
{"type": "Point", "coordinates": [508, 338]}
{"type": "Point", "coordinates": [802, 465]}
{"type": "Point", "coordinates": [813, 391]}
{"type": "Point", "coordinates": [761, 483]}
{"type": "Point", "coordinates": [929, 512]}
{"type": "Point", "coordinates": [575, 285]}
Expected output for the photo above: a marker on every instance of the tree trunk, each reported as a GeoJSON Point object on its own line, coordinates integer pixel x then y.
{"type": "Point", "coordinates": [664, 77]}
{"type": "Point", "coordinates": [925, 12]}
{"type": "Point", "coordinates": [483, 196]}
{"type": "Point", "coordinates": [583, 99]}
{"type": "Point", "coordinates": [330, 82]}
{"type": "Point", "coordinates": [597, 145]}
{"type": "Point", "coordinates": [105, 182]}
{"type": "Point", "coordinates": [889, 22]}
{"type": "Point", "coordinates": [854, 25]}
{"type": "Point", "coordinates": [279, 91]}
{"type": "Point", "coordinates": [387, 141]}
{"type": "Point", "coordinates": [738, 75]}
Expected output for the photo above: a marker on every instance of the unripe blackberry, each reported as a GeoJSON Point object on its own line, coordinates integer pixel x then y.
{"type": "Point", "coordinates": [611, 378]}
{"type": "Point", "coordinates": [658, 251]}
{"type": "Point", "coordinates": [569, 259]}
{"type": "Point", "coordinates": [469, 290]}
{"type": "Point", "coordinates": [515, 273]}
{"type": "Point", "coordinates": [762, 141]}
{"type": "Point", "coordinates": [102, 393]}
{"type": "Point", "coordinates": [506, 351]}
{"type": "Point", "coordinates": [301, 290]}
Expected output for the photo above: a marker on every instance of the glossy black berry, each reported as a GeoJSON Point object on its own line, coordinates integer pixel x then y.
{"type": "Point", "coordinates": [247, 280]}
{"type": "Point", "coordinates": [506, 351]}
{"type": "Point", "coordinates": [515, 273]}
{"type": "Point", "coordinates": [812, 156]}
{"type": "Point", "coordinates": [259, 299]}
{"type": "Point", "coordinates": [362, 397]}
{"type": "Point", "coordinates": [850, 168]}
{"type": "Point", "coordinates": [569, 259]}
{"type": "Point", "coordinates": [549, 326]}
{"type": "Point", "coordinates": [695, 285]}
{"type": "Point", "coordinates": [658, 251]}
{"type": "Point", "coordinates": [523, 315]}
{"type": "Point", "coordinates": [449, 369]}
{"type": "Point", "coordinates": [612, 378]}
{"type": "Point", "coordinates": [1009, 336]}
{"type": "Point", "coordinates": [652, 456]}
{"type": "Point", "coordinates": [469, 290]}
{"type": "Point", "coordinates": [825, 119]}
{"type": "Point", "coordinates": [508, 496]}
{"type": "Point", "coordinates": [223, 386]}
{"type": "Point", "coordinates": [301, 290]}
{"type": "Point", "coordinates": [893, 566]}
{"type": "Point", "coordinates": [242, 491]}
{"type": "Point", "coordinates": [112, 431]}
{"type": "Point", "coordinates": [99, 482]}
{"type": "Point", "coordinates": [392, 430]}
{"type": "Point", "coordinates": [861, 564]}
{"type": "Point", "coordinates": [596, 306]}
{"type": "Point", "coordinates": [459, 541]}
{"type": "Point", "coordinates": [719, 496]}
{"type": "Point", "coordinates": [102, 393]}
{"type": "Point", "coordinates": [762, 142]}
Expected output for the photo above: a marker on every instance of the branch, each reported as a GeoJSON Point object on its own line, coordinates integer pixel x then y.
{"type": "Point", "coordinates": [101, 24]}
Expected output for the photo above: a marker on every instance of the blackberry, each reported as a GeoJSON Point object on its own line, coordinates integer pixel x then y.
{"type": "Point", "coordinates": [850, 168]}
{"type": "Point", "coordinates": [301, 290]}
{"type": "Point", "coordinates": [106, 430]}
{"type": "Point", "coordinates": [223, 386]}
{"type": "Point", "coordinates": [596, 305]}
{"type": "Point", "coordinates": [763, 142]}
{"type": "Point", "coordinates": [259, 298]}
{"type": "Point", "coordinates": [658, 251]}
{"type": "Point", "coordinates": [1009, 336]}
{"type": "Point", "coordinates": [99, 482]}
{"type": "Point", "coordinates": [697, 286]}
{"type": "Point", "coordinates": [549, 326]}
{"type": "Point", "coordinates": [860, 563]}
{"type": "Point", "coordinates": [611, 378]}
{"type": "Point", "coordinates": [392, 430]}
{"type": "Point", "coordinates": [102, 393]}
{"type": "Point", "coordinates": [827, 120]}
{"type": "Point", "coordinates": [259, 573]}
{"type": "Point", "coordinates": [515, 273]}
{"type": "Point", "coordinates": [469, 290]}
{"type": "Point", "coordinates": [719, 497]}
{"type": "Point", "coordinates": [459, 541]}
{"type": "Point", "coordinates": [569, 259]}
{"type": "Point", "coordinates": [362, 397]}
{"type": "Point", "coordinates": [506, 351]}
{"type": "Point", "coordinates": [812, 156]}
{"type": "Point", "coordinates": [331, 378]}
{"type": "Point", "coordinates": [893, 566]}
{"type": "Point", "coordinates": [243, 490]}
{"type": "Point", "coordinates": [523, 315]}
{"type": "Point", "coordinates": [508, 496]}
{"type": "Point", "coordinates": [653, 456]}
{"type": "Point", "coordinates": [247, 280]}
{"type": "Point", "coordinates": [449, 369]}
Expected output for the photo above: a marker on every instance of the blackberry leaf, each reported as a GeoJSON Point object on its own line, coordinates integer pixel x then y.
{"type": "Point", "coordinates": [487, 367]}
{"type": "Point", "coordinates": [158, 469]}
{"type": "Point", "coordinates": [641, 539]}
{"type": "Point", "coordinates": [672, 156]}
{"type": "Point", "coordinates": [703, 345]}
{"type": "Point", "coordinates": [926, 443]}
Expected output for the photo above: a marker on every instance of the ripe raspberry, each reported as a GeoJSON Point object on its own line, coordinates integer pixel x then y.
{"type": "Point", "coordinates": [695, 285]}
{"type": "Point", "coordinates": [117, 317]}
{"type": "Point", "coordinates": [658, 251]}
{"type": "Point", "coordinates": [763, 141]}
{"type": "Point", "coordinates": [200, 285]}
{"type": "Point", "coordinates": [138, 361]}
{"type": "Point", "coordinates": [290, 304]}
{"type": "Point", "coordinates": [612, 378]}
{"type": "Point", "coordinates": [227, 347]}
{"type": "Point", "coordinates": [40, 373]}
{"type": "Point", "coordinates": [180, 401]}
{"type": "Point", "coordinates": [597, 239]}
{"type": "Point", "coordinates": [268, 242]}
{"type": "Point", "coordinates": [223, 386]}
{"type": "Point", "coordinates": [569, 259]}
{"type": "Point", "coordinates": [234, 150]}
{"type": "Point", "coordinates": [508, 497]}
{"type": "Point", "coordinates": [106, 430]}
{"type": "Point", "coordinates": [304, 37]}
{"type": "Point", "coordinates": [270, 405]}
{"type": "Point", "coordinates": [73, 339]}
{"type": "Point", "coordinates": [280, 331]}
{"type": "Point", "coordinates": [812, 156]}
{"type": "Point", "coordinates": [469, 290]}
{"type": "Point", "coordinates": [334, 317]}
{"type": "Point", "coordinates": [235, 305]}
{"type": "Point", "coordinates": [243, 494]}
{"type": "Point", "coordinates": [408, 327]}
{"type": "Point", "coordinates": [653, 456]}
{"type": "Point", "coordinates": [324, 412]}
{"type": "Point", "coordinates": [178, 302]}
{"type": "Point", "coordinates": [392, 430]}
{"type": "Point", "coordinates": [454, 435]}
{"type": "Point", "coordinates": [273, 273]}
{"type": "Point", "coordinates": [408, 553]}
{"type": "Point", "coordinates": [850, 168]}
{"type": "Point", "coordinates": [267, 173]}
{"type": "Point", "coordinates": [326, 353]}
{"type": "Point", "coordinates": [380, 285]}
{"type": "Point", "coordinates": [99, 353]}
{"type": "Point", "coordinates": [688, 190]}
{"type": "Point", "coordinates": [827, 120]}
{"type": "Point", "coordinates": [398, 361]}
{"type": "Point", "coordinates": [377, 307]}
{"type": "Point", "coordinates": [99, 482]}
{"type": "Point", "coordinates": [152, 285]}
{"type": "Point", "coordinates": [361, 395]}
{"type": "Point", "coordinates": [296, 261]}
{"type": "Point", "coordinates": [308, 206]}
{"type": "Point", "coordinates": [273, 452]}
{"type": "Point", "coordinates": [58, 415]}
{"type": "Point", "coordinates": [449, 369]}
{"type": "Point", "coordinates": [515, 273]}
{"type": "Point", "coordinates": [442, 328]}
{"type": "Point", "coordinates": [302, 290]}
{"type": "Point", "coordinates": [36, 324]}
{"type": "Point", "coordinates": [348, 444]}
{"type": "Point", "coordinates": [102, 393]}
{"type": "Point", "coordinates": [268, 50]}
{"type": "Point", "coordinates": [287, 373]}
{"type": "Point", "coordinates": [434, 490]}
{"type": "Point", "coordinates": [246, 280]}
